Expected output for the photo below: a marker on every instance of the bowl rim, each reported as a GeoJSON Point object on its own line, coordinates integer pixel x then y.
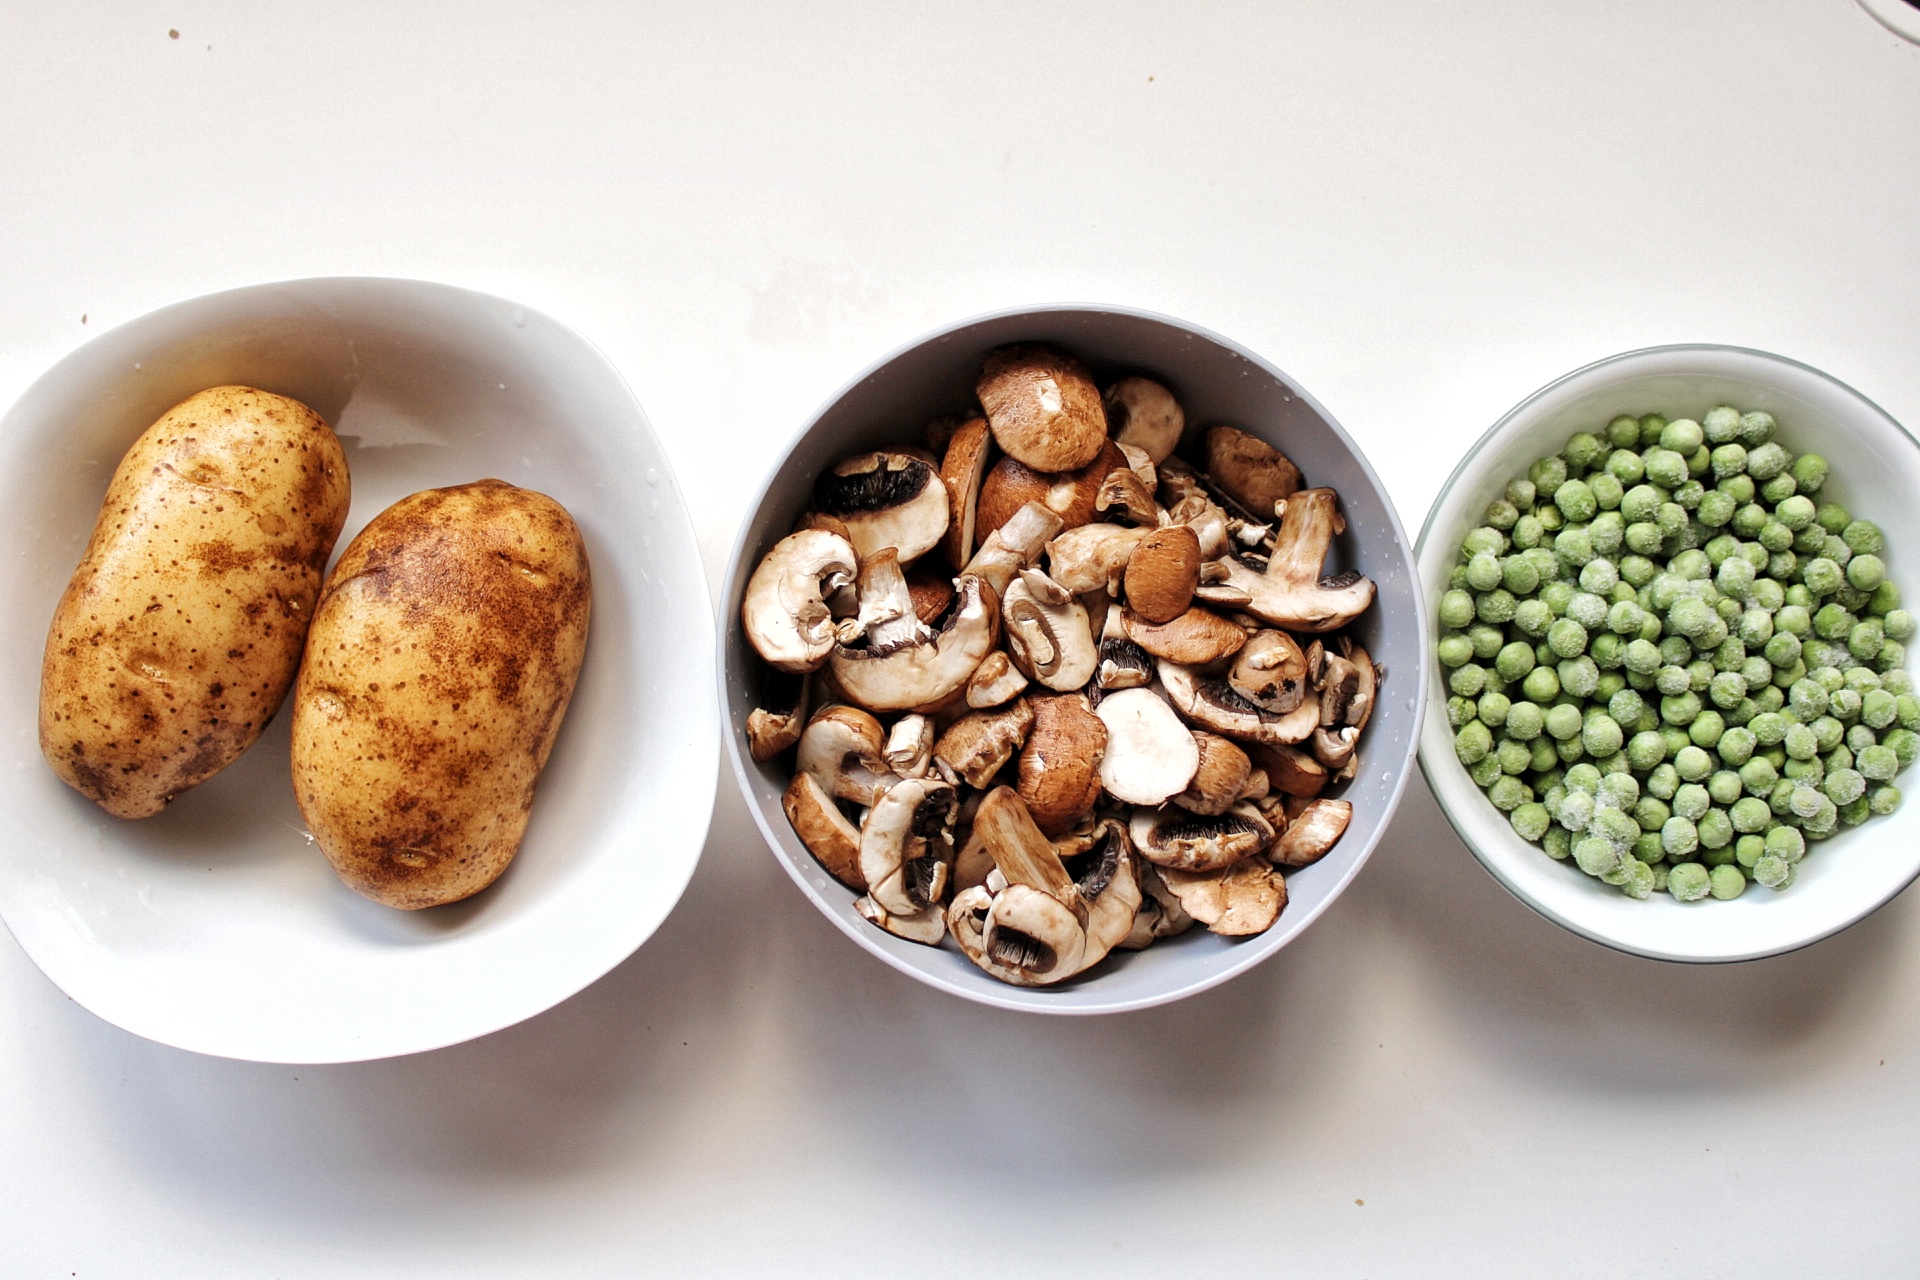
{"type": "Point", "coordinates": [996, 994]}
{"type": "Point", "coordinates": [591, 964]}
{"type": "Point", "coordinates": [1490, 862]}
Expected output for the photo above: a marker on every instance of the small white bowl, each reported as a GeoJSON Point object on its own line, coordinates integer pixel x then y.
{"type": "Point", "coordinates": [1215, 381]}
{"type": "Point", "coordinates": [1876, 475]}
{"type": "Point", "coordinates": [217, 925]}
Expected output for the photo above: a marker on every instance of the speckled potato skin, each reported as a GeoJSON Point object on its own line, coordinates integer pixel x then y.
{"type": "Point", "coordinates": [443, 654]}
{"type": "Point", "coordinates": [181, 629]}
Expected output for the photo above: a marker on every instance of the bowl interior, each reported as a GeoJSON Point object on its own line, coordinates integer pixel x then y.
{"type": "Point", "coordinates": [217, 925]}
{"type": "Point", "coordinates": [1216, 382]}
{"type": "Point", "coordinates": [1876, 472]}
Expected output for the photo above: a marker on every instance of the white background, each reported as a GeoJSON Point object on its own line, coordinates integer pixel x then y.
{"type": "Point", "coordinates": [1422, 211]}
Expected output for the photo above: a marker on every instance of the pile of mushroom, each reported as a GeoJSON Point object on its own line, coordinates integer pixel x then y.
{"type": "Point", "coordinates": [1051, 689]}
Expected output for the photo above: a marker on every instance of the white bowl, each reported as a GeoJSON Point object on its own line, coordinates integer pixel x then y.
{"type": "Point", "coordinates": [1215, 381]}
{"type": "Point", "coordinates": [217, 925]}
{"type": "Point", "coordinates": [1876, 474]}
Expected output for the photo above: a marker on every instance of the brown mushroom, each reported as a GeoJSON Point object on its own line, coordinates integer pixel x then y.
{"type": "Point", "coordinates": [829, 835]}
{"type": "Point", "coordinates": [977, 746]}
{"type": "Point", "coordinates": [1270, 672]}
{"type": "Point", "coordinates": [1197, 637]}
{"type": "Point", "coordinates": [995, 681]}
{"type": "Point", "coordinates": [913, 669]}
{"type": "Point", "coordinates": [930, 590]}
{"type": "Point", "coordinates": [776, 725]}
{"type": "Point", "coordinates": [1290, 771]}
{"type": "Point", "coordinates": [1143, 413]}
{"type": "Point", "coordinates": [1162, 573]}
{"type": "Point", "coordinates": [909, 749]}
{"type": "Point", "coordinates": [1237, 901]}
{"type": "Point", "coordinates": [1124, 495]}
{"type": "Point", "coordinates": [1071, 495]}
{"type": "Point", "coordinates": [1291, 592]}
{"type": "Point", "coordinates": [1060, 763]}
{"type": "Point", "coordinates": [1178, 838]}
{"type": "Point", "coordinates": [887, 498]}
{"type": "Point", "coordinates": [784, 610]}
{"type": "Point", "coordinates": [1316, 829]}
{"type": "Point", "coordinates": [1211, 703]}
{"type": "Point", "coordinates": [842, 748]}
{"type": "Point", "coordinates": [926, 926]}
{"type": "Point", "coordinates": [1049, 636]}
{"type": "Point", "coordinates": [962, 467]}
{"type": "Point", "coordinates": [1123, 664]}
{"type": "Point", "coordinates": [1012, 547]}
{"type": "Point", "coordinates": [1221, 779]}
{"type": "Point", "coordinates": [1160, 914]}
{"type": "Point", "coordinates": [1043, 407]}
{"type": "Point", "coordinates": [1249, 470]}
{"type": "Point", "coordinates": [1150, 755]}
{"type": "Point", "coordinates": [1093, 556]}
{"type": "Point", "coordinates": [906, 845]}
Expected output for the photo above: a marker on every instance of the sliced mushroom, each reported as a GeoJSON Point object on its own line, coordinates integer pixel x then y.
{"type": "Point", "coordinates": [1211, 703]}
{"type": "Point", "coordinates": [843, 748]}
{"type": "Point", "coordinates": [1334, 747]}
{"type": "Point", "coordinates": [995, 681]}
{"type": "Point", "coordinates": [1197, 637]}
{"type": "Point", "coordinates": [1162, 574]}
{"type": "Point", "coordinates": [978, 746]}
{"type": "Point", "coordinates": [1290, 771]}
{"type": "Point", "coordinates": [1143, 413]}
{"type": "Point", "coordinates": [1360, 706]}
{"type": "Point", "coordinates": [1290, 592]}
{"type": "Point", "coordinates": [774, 727]}
{"type": "Point", "coordinates": [1071, 495]}
{"type": "Point", "coordinates": [1249, 470]}
{"type": "Point", "coordinates": [1048, 634]}
{"type": "Point", "coordinates": [1124, 495]}
{"type": "Point", "coordinates": [1043, 407]}
{"type": "Point", "coordinates": [1235, 901]}
{"type": "Point", "coordinates": [923, 673]}
{"type": "Point", "coordinates": [909, 750]}
{"type": "Point", "coordinates": [1140, 462]}
{"type": "Point", "coordinates": [830, 837]}
{"type": "Point", "coordinates": [1310, 835]}
{"type": "Point", "coordinates": [1150, 754]}
{"type": "Point", "coordinates": [906, 845]}
{"type": "Point", "coordinates": [1271, 672]}
{"type": "Point", "coordinates": [1123, 664]}
{"type": "Point", "coordinates": [1060, 765]}
{"type": "Point", "coordinates": [1179, 838]}
{"type": "Point", "coordinates": [1160, 914]}
{"type": "Point", "coordinates": [930, 591]}
{"type": "Point", "coordinates": [1036, 926]}
{"type": "Point", "coordinates": [1093, 556]}
{"type": "Point", "coordinates": [1221, 778]}
{"type": "Point", "coordinates": [971, 864]}
{"type": "Point", "coordinates": [1339, 684]}
{"type": "Point", "coordinates": [784, 610]}
{"type": "Point", "coordinates": [887, 498]}
{"type": "Point", "coordinates": [1256, 787]}
{"type": "Point", "coordinates": [1013, 546]}
{"type": "Point", "coordinates": [962, 467]}
{"type": "Point", "coordinates": [1110, 888]}
{"type": "Point", "coordinates": [926, 926]}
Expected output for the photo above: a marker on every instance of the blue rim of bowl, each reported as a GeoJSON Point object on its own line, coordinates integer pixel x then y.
{"type": "Point", "coordinates": [735, 583]}
{"type": "Point", "coordinates": [1427, 767]}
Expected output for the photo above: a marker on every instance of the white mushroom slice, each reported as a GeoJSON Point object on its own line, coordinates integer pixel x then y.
{"type": "Point", "coordinates": [1123, 493]}
{"type": "Point", "coordinates": [1209, 524]}
{"type": "Point", "coordinates": [1048, 634]}
{"type": "Point", "coordinates": [1338, 688]}
{"type": "Point", "coordinates": [962, 467]}
{"type": "Point", "coordinates": [1310, 835]}
{"type": "Point", "coordinates": [994, 681]}
{"type": "Point", "coordinates": [1140, 462]}
{"type": "Point", "coordinates": [774, 727]}
{"type": "Point", "coordinates": [1020, 851]}
{"type": "Point", "coordinates": [924, 674]}
{"type": "Point", "coordinates": [971, 865]}
{"type": "Point", "coordinates": [1290, 771]}
{"type": "Point", "coordinates": [1178, 838]}
{"type": "Point", "coordinates": [1160, 914]}
{"type": "Point", "coordinates": [1143, 413]}
{"type": "Point", "coordinates": [1034, 937]}
{"type": "Point", "coordinates": [977, 746]}
{"type": "Point", "coordinates": [1123, 664]}
{"type": "Point", "coordinates": [1013, 546]}
{"type": "Point", "coordinates": [1334, 747]}
{"type": "Point", "coordinates": [784, 610]}
{"type": "Point", "coordinates": [887, 617]}
{"type": "Point", "coordinates": [1092, 557]}
{"type": "Point", "coordinates": [829, 836]}
{"type": "Point", "coordinates": [909, 749]}
{"type": "Point", "coordinates": [1211, 703]}
{"type": "Point", "coordinates": [1291, 592]}
{"type": "Point", "coordinates": [1196, 637]}
{"type": "Point", "coordinates": [1221, 778]}
{"type": "Point", "coordinates": [926, 927]}
{"type": "Point", "coordinates": [1249, 470]}
{"type": "Point", "coordinates": [1150, 755]}
{"type": "Point", "coordinates": [1256, 787]}
{"type": "Point", "coordinates": [885, 499]}
{"type": "Point", "coordinates": [1270, 672]}
{"type": "Point", "coordinates": [842, 748]}
{"type": "Point", "coordinates": [1060, 764]}
{"type": "Point", "coordinates": [1360, 706]}
{"type": "Point", "coordinates": [906, 845]}
{"type": "Point", "coordinates": [1235, 901]}
{"type": "Point", "coordinates": [1111, 890]}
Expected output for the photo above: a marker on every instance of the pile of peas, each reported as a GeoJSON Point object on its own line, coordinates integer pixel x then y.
{"type": "Point", "coordinates": [1671, 664]}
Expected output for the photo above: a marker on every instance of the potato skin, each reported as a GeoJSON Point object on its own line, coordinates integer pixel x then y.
{"type": "Point", "coordinates": [442, 657]}
{"type": "Point", "coordinates": [181, 628]}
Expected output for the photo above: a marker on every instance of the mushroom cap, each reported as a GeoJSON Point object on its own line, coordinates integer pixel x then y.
{"type": "Point", "coordinates": [1291, 592]}
{"type": "Point", "coordinates": [961, 470]}
{"type": "Point", "coordinates": [1180, 839]}
{"type": "Point", "coordinates": [1071, 495]}
{"type": "Point", "coordinates": [1060, 775]}
{"type": "Point", "coordinates": [830, 837]}
{"type": "Point", "coordinates": [978, 745]}
{"type": "Point", "coordinates": [1042, 406]}
{"type": "Point", "coordinates": [1290, 771]}
{"type": "Point", "coordinates": [1089, 557]}
{"type": "Point", "coordinates": [1221, 778]}
{"type": "Point", "coordinates": [1211, 703]}
{"type": "Point", "coordinates": [842, 748]}
{"type": "Point", "coordinates": [887, 498]}
{"type": "Point", "coordinates": [924, 673]}
{"type": "Point", "coordinates": [1270, 672]}
{"type": "Point", "coordinates": [1150, 754]}
{"type": "Point", "coordinates": [1162, 573]}
{"type": "Point", "coordinates": [1312, 833]}
{"type": "Point", "coordinates": [1143, 413]}
{"type": "Point", "coordinates": [784, 609]}
{"type": "Point", "coordinates": [1249, 470]}
{"type": "Point", "coordinates": [906, 845]}
{"type": "Point", "coordinates": [1243, 899]}
{"type": "Point", "coordinates": [1194, 638]}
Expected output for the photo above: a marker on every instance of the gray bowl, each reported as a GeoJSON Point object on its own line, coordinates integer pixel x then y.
{"type": "Point", "coordinates": [1216, 381]}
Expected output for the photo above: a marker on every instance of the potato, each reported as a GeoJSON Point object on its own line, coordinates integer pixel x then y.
{"type": "Point", "coordinates": [443, 654]}
{"type": "Point", "coordinates": [181, 629]}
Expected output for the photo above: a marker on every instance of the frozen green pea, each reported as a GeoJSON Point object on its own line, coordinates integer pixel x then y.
{"type": "Point", "coordinates": [1691, 801]}
{"type": "Point", "coordinates": [1748, 850]}
{"type": "Point", "coordinates": [1520, 575]}
{"type": "Point", "coordinates": [1646, 750]}
{"type": "Point", "coordinates": [1544, 755]}
{"type": "Point", "coordinates": [1714, 830]}
{"type": "Point", "coordinates": [1832, 621]}
{"type": "Point", "coordinates": [1542, 685]}
{"type": "Point", "coordinates": [1805, 802]}
{"type": "Point", "coordinates": [1615, 826]}
{"type": "Point", "coordinates": [1682, 435]}
{"type": "Point", "coordinates": [1693, 763]}
{"type": "Point", "coordinates": [1472, 742]}
{"type": "Point", "coordinates": [1576, 501]}
{"type": "Point", "coordinates": [1786, 844]}
{"type": "Point", "coordinates": [1468, 681]}
{"type": "Point", "coordinates": [1680, 709]}
{"type": "Point", "coordinates": [1588, 609]}
{"type": "Point", "coordinates": [1530, 821]}
{"type": "Point", "coordinates": [1688, 881]}
{"type": "Point", "coordinates": [1520, 493]}
{"type": "Point", "coordinates": [1599, 576]}
{"type": "Point", "coordinates": [1454, 650]}
{"type": "Point", "coordinates": [1769, 595]}
{"type": "Point", "coordinates": [1808, 698]}
{"type": "Point", "coordinates": [1727, 689]}
{"type": "Point", "coordinates": [1642, 657]}
{"type": "Point", "coordinates": [1893, 654]}
{"type": "Point", "coordinates": [1758, 776]}
{"type": "Point", "coordinates": [1643, 537]}
{"type": "Point", "coordinates": [1578, 676]}
{"type": "Point", "coordinates": [1736, 746]}
{"type": "Point", "coordinates": [1792, 620]}
{"type": "Point", "coordinates": [1721, 424]}
{"type": "Point", "coordinates": [1601, 736]}
{"type": "Point", "coordinates": [1595, 856]}
{"type": "Point", "coordinates": [1507, 793]}
{"type": "Point", "coordinates": [1726, 882]}
{"type": "Point", "coordinates": [1857, 812]}
{"type": "Point", "coordinates": [1735, 577]}
{"type": "Point", "coordinates": [1663, 781]}
{"type": "Point", "coordinates": [1493, 707]}
{"type": "Point", "coordinates": [1514, 757]}
{"type": "Point", "coordinates": [1775, 873]}
{"type": "Point", "coordinates": [1810, 541]}
{"type": "Point", "coordinates": [1514, 661]}
{"type": "Point", "coordinates": [1583, 777]}
{"type": "Point", "coordinates": [1906, 710]}
{"type": "Point", "coordinates": [1884, 800]}
{"type": "Point", "coordinates": [1456, 609]}
{"type": "Point", "coordinates": [1558, 843]}
{"type": "Point", "coordinates": [1800, 742]}
{"type": "Point", "coordinates": [1878, 709]}
{"type": "Point", "coordinates": [1723, 788]}
{"type": "Point", "coordinates": [1576, 811]}
{"type": "Point", "coordinates": [1749, 814]}
{"type": "Point", "coordinates": [1651, 813]}
{"type": "Point", "coordinates": [1805, 772]}
{"type": "Point", "coordinates": [1563, 721]}
{"type": "Point", "coordinates": [1607, 490]}
{"type": "Point", "coordinates": [1775, 539]}
{"type": "Point", "coordinates": [1830, 516]}
{"type": "Point", "coordinates": [1859, 736]}
{"type": "Point", "coordinates": [1567, 638]}
{"type": "Point", "coordinates": [1844, 786]}
{"type": "Point", "coordinates": [1678, 837]}
{"type": "Point", "coordinates": [1584, 450]}
{"type": "Point", "coordinates": [1796, 512]}
{"type": "Point", "coordinates": [1877, 763]}
{"type": "Point", "coordinates": [1809, 472]}
{"type": "Point", "coordinates": [1484, 540]}
{"type": "Point", "coordinates": [1728, 460]}
{"type": "Point", "coordinates": [1496, 607]}
{"type": "Point", "coordinates": [1863, 537]}
{"type": "Point", "coordinates": [1525, 720]}
{"type": "Point", "coordinates": [1608, 652]}
{"type": "Point", "coordinates": [1626, 706]}
{"type": "Point", "coordinates": [1483, 572]}
{"type": "Point", "coordinates": [1640, 502]}
{"type": "Point", "coordinates": [1825, 818]}
{"type": "Point", "coordinates": [1749, 520]}
{"type": "Point", "coordinates": [1550, 518]}
{"type": "Point", "coordinates": [1501, 514]}
{"type": "Point", "coordinates": [1705, 729]}
{"type": "Point", "coordinates": [1527, 531]}
{"type": "Point", "coordinates": [1532, 617]}
{"type": "Point", "coordinates": [1665, 468]}
{"type": "Point", "coordinates": [1898, 624]}
{"type": "Point", "coordinates": [1866, 571]}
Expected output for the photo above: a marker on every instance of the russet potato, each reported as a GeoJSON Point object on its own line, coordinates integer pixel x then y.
{"type": "Point", "coordinates": [442, 657]}
{"type": "Point", "coordinates": [181, 629]}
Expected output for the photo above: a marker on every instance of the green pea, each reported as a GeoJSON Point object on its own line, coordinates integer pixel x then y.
{"type": "Point", "coordinates": [1525, 721]}
{"type": "Point", "coordinates": [1831, 516]}
{"type": "Point", "coordinates": [1693, 764]}
{"type": "Point", "coordinates": [1775, 873]}
{"type": "Point", "coordinates": [1601, 736]}
{"type": "Point", "coordinates": [1810, 472]}
{"type": "Point", "coordinates": [1557, 843]}
{"type": "Point", "coordinates": [1898, 625]}
{"type": "Point", "coordinates": [1507, 793]}
{"type": "Point", "coordinates": [1726, 882]}
{"type": "Point", "coordinates": [1863, 537]}
{"type": "Point", "coordinates": [1723, 787]}
{"type": "Point", "coordinates": [1715, 831]}
{"type": "Point", "coordinates": [1884, 800]}
{"type": "Point", "coordinates": [1579, 676]}
{"type": "Point", "coordinates": [1688, 881]}
{"type": "Point", "coordinates": [1665, 468]}
{"type": "Point", "coordinates": [1866, 639]}
{"type": "Point", "coordinates": [1766, 461]}
{"type": "Point", "coordinates": [1758, 776]}
{"type": "Point", "coordinates": [1682, 435]}
{"type": "Point", "coordinates": [1736, 746]}
{"type": "Point", "coordinates": [1483, 571]}
{"type": "Point", "coordinates": [1749, 814]}
{"type": "Point", "coordinates": [1748, 850]}
{"type": "Point", "coordinates": [1778, 489]}
{"type": "Point", "coordinates": [1473, 742]}
{"type": "Point", "coordinates": [1530, 821]}
{"type": "Point", "coordinates": [1542, 685]}
{"type": "Point", "coordinates": [1493, 708]}
{"type": "Point", "coordinates": [1756, 428]}
{"type": "Point", "coordinates": [1456, 609]}
{"type": "Point", "coordinates": [1878, 763]}
{"type": "Point", "coordinates": [1496, 607]}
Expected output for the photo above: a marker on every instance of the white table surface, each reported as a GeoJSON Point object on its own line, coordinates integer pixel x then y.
{"type": "Point", "coordinates": [1422, 211]}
